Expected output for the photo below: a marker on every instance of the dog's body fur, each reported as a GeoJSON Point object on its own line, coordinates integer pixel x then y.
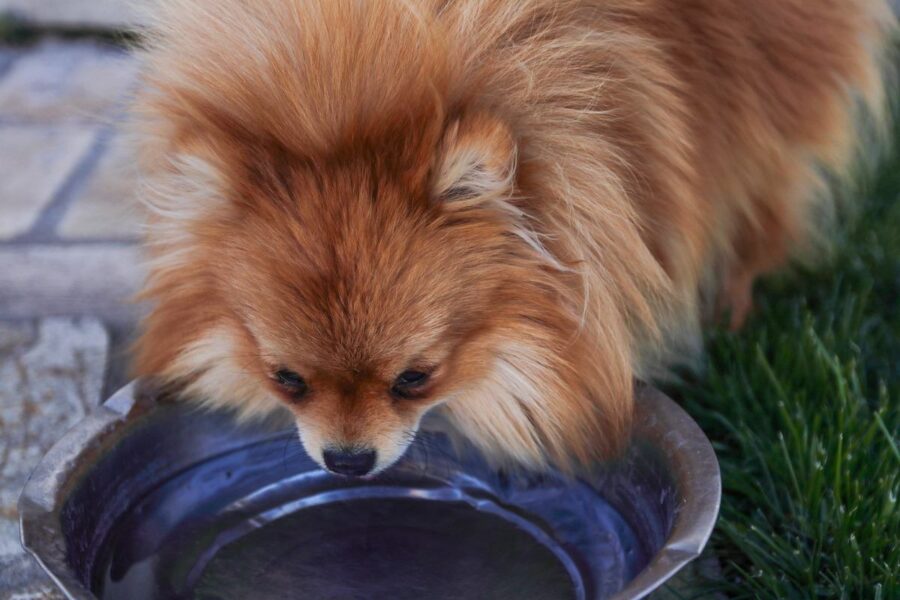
{"type": "Point", "coordinates": [537, 199]}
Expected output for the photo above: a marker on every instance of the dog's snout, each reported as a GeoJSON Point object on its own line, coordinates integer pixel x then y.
{"type": "Point", "coordinates": [349, 462]}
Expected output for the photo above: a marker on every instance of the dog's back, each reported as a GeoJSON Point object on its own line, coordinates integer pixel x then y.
{"type": "Point", "coordinates": [677, 148]}
{"type": "Point", "coordinates": [776, 92]}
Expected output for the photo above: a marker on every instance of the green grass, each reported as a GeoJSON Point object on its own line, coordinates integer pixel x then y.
{"type": "Point", "coordinates": [802, 407]}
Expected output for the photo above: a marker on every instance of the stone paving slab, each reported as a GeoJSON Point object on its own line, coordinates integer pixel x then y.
{"type": "Point", "coordinates": [34, 164]}
{"type": "Point", "coordinates": [107, 207]}
{"type": "Point", "coordinates": [80, 279]}
{"type": "Point", "coordinates": [51, 374]}
{"type": "Point", "coordinates": [67, 81]}
{"type": "Point", "coordinates": [6, 56]}
{"type": "Point", "coordinates": [91, 14]}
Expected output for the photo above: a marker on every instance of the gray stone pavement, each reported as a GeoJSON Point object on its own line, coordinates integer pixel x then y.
{"type": "Point", "coordinates": [51, 373]}
{"type": "Point", "coordinates": [69, 217]}
{"type": "Point", "coordinates": [69, 221]}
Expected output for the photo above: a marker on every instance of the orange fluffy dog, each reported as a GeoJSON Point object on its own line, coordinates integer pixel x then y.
{"type": "Point", "coordinates": [510, 209]}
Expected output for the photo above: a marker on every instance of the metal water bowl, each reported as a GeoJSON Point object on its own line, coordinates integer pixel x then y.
{"type": "Point", "coordinates": [150, 499]}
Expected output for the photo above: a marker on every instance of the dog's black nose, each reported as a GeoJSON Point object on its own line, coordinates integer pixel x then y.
{"type": "Point", "coordinates": [349, 462]}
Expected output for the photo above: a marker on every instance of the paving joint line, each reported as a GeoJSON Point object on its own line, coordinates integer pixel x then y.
{"type": "Point", "coordinates": [45, 226]}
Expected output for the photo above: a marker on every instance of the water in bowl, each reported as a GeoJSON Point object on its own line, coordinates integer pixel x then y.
{"type": "Point", "coordinates": [264, 522]}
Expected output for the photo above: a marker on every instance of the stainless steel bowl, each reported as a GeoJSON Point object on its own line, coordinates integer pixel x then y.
{"type": "Point", "coordinates": [148, 499]}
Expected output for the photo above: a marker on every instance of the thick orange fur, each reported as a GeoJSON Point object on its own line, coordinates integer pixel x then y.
{"type": "Point", "coordinates": [534, 198]}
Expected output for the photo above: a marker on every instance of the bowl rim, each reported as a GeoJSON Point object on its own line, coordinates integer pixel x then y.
{"type": "Point", "coordinates": [690, 454]}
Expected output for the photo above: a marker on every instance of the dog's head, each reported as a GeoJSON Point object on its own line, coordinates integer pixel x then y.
{"type": "Point", "coordinates": [358, 291]}
{"type": "Point", "coordinates": [352, 247]}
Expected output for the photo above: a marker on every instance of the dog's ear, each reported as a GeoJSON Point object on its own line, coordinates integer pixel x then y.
{"type": "Point", "coordinates": [476, 162]}
{"type": "Point", "coordinates": [185, 185]}
{"type": "Point", "coordinates": [202, 176]}
{"type": "Point", "coordinates": [476, 171]}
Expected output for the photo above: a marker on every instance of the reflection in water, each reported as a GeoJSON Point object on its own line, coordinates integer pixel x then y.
{"type": "Point", "coordinates": [251, 524]}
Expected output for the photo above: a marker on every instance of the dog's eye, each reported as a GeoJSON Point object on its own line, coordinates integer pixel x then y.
{"type": "Point", "coordinates": [291, 382]}
{"type": "Point", "coordinates": [408, 383]}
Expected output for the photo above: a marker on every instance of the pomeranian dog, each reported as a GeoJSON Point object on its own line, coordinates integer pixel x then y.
{"type": "Point", "coordinates": [509, 209]}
